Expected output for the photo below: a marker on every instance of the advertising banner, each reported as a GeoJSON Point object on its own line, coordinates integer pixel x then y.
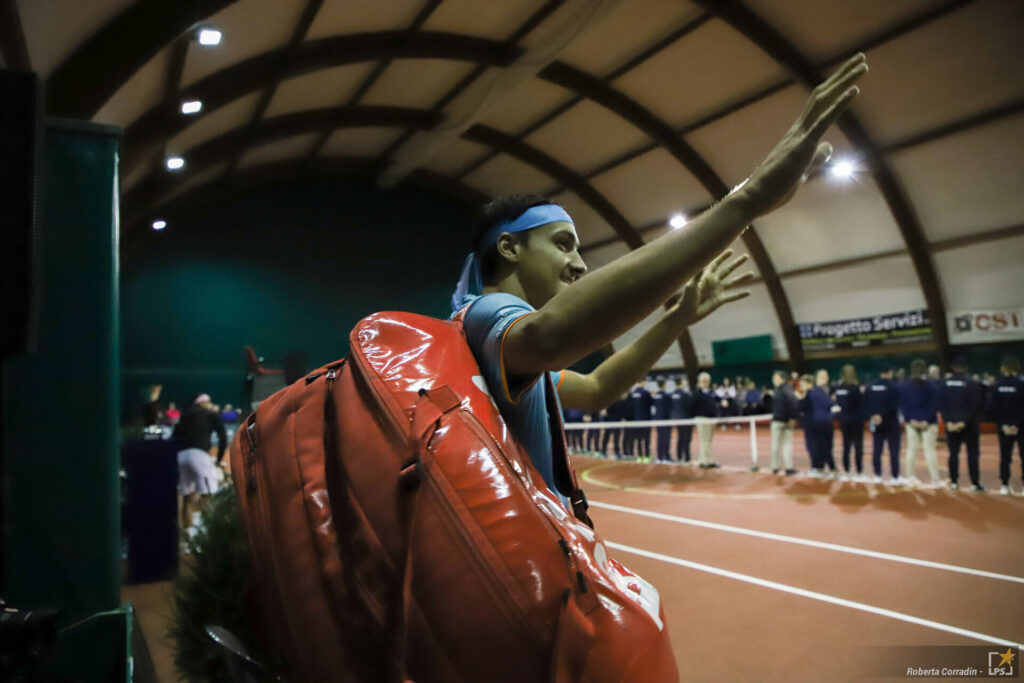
{"type": "Point", "coordinates": [986, 325]}
{"type": "Point", "coordinates": [877, 330]}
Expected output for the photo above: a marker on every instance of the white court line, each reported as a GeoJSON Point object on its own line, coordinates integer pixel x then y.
{"type": "Point", "coordinates": [823, 597]}
{"type": "Point", "coordinates": [807, 542]}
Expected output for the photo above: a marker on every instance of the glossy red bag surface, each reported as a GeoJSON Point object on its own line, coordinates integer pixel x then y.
{"type": "Point", "coordinates": [399, 531]}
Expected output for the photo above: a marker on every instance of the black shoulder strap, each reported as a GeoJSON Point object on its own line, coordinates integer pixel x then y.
{"type": "Point", "coordinates": [565, 478]}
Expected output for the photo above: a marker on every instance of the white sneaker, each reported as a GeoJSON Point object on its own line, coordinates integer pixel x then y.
{"type": "Point", "coordinates": [1004, 490]}
{"type": "Point", "coordinates": [937, 484]}
{"type": "Point", "coordinates": [912, 481]}
{"type": "Point", "coordinates": [894, 481]}
{"type": "Point", "coordinates": [876, 479]}
{"type": "Point", "coordinates": [953, 486]}
{"type": "Point", "coordinates": [817, 474]}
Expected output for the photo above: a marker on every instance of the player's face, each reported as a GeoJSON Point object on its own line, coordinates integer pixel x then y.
{"type": "Point", "coordinates": [549, 262]}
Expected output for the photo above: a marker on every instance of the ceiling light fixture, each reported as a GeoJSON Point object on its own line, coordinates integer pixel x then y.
{"type": "Point", "coordinates": [843, 168]}
{"type": "Point", "coordinates": [191, 107]}
{"type": "Point", "coordinates": [159, 225]}
{"type": "Point", "coordinates": [175, 163]}
{"type": "Point", "coordinates": [677, 221]}
{"type": "Point", "coordinates": [209, 36]}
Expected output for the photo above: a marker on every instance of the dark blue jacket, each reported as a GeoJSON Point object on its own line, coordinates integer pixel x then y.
{"type": "Point", "coordinates": [961, 399]}
{"type": "Point", "coordinates": [1006, 401]}
{"type": "Point", "coordinates": [572, 415]}
{"type": "Point", "coordinates": [705, 404]}
{"type": "Point", "coordinates": [785, 405]}
{"type": "Point", "coordinates": [640, 404]}
{"type": "Point", "coordinates": [680, 401]}
{"type": "Point", "coordinates": [919, 401]}
{"type": "Point", "coordinates": [662, 405]}
{"type": "Point", "coordinates": [881, 397]}
{"type": "Point", "coordinates": [848, 398]}
{"type": "Point", "coordinates": [817, 405]}
{"type": "Point", "coordinates": [616, 411]}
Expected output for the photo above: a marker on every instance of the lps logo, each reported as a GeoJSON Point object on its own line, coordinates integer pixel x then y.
{"type": "Point", "coordinates": [1001, 663]}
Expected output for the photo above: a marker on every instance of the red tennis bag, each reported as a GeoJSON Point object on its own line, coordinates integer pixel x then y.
{"type": "Point", "coordinates": [398, 531]}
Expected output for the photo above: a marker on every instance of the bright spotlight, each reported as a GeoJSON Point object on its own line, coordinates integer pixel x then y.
{"type": "Point", "coordinates": [677, 221]}
{"type": "Point", "coordinates": [843, 169]}
{"type": "Point", "coordinates": [191, 107]}
{"type": "Point", "coordinates": [159, 225]}
{"type": "Point", "coordinates": [209, 36]}
{"type": "Point", "coordinates": [175, 163]}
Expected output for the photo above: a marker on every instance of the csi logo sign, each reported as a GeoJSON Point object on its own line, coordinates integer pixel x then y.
{"type": "Point", "coordinates": [983, 322]}
{"type": "Point", "coordinates": [1001, 663]}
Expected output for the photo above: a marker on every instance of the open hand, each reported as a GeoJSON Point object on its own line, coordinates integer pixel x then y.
{"type": "Point", "coordinates": [711, 288]}
{"type": "Point", "coordinates": [800, 150]}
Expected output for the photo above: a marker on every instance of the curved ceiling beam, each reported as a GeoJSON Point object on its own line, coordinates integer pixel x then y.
{"type": "Point", "coordinates": [163, 121]}
{"type": "Point", "coordinates": [83, 83]}
{"type": "Point", "coordinates": [758, 31]}
{"type": "Point", "coordinates": [154, 187]}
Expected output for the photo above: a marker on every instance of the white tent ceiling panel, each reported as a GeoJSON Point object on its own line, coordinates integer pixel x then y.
{"type": "Point", "coordinates": [976, 53]}
{"type": "Point", "coordinates": [983, 275]}
{"type": "Point", "coordinates": [359, 142]}
{"type": "Point", "coordinates": [143, 90]}
{"type": "Point", "coordinates": [969, 182]}
{"type": "Point", "coordinates": [744, 318]}
{"type": "Point", "coordinates": [651, 187]}
{"type": "Point", "coordinates": [505, 174]}
{"type": "Point", "coordinates": [455, 156]}
{"type": "Point", "coordinates": [465, 17]}
{"type": "Point", "coordinates": [279, 150]}
{"type": "Point", "coordinates": [587, 135]}
{"type": "Point", "coordinates": [358, 16]}
{"type": "Point", "coordinates": [821, 28]}
{"type": "Point", "coordinates": [242, 36]}
{"type": "Point", "coordinates": [626, 31]}
{"type": "Point", "coordinates": [217, 122]}
{"type": "Point", "coordinates": [325, 88]}
{"type": "Point", "coordinates": [829, 220]}
{"type": "Point", "coordinates": [527, 102]}
{"type": "Point", "coordinates": [54, 29]}
{"type": "Point", "coordinates": [712, 66]}
{"type": "Point", "coordinates": [602, 256]}
{"type": "Point", "coordinates": [590, 227]}
{"type": "Point", "coordinates": [886, 285]}
{"type": "Point", "coordinates": [416, 83]}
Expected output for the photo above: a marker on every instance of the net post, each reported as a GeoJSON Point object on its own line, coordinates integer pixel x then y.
{"type": "Point", "coordinates": [753, 444]}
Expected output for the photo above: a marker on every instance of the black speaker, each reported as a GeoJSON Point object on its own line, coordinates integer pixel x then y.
{"type": "Point", "coordinates": [21, 98]}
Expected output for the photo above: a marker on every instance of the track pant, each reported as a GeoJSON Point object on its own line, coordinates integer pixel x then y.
{"type": "Point", "coordinates": [664, 437]}
{"type": "Point", "coordinates": [819, 443]}
{"type": "Point", "coordinates": [705, 431]}
{"type": "Point", "coordinates": [925, 439]}
{"type": "Point", "coordinates": [594, 439]}
{"type": "Point", "coordinates": [643, 441]}
{"type": "Point", "coordinates": [853, 438]}
{"type": "Point", "coordinates": [1006, 454]}
{"type": "Point", "coordinates": [782, 444]}
{"type": "Point", "coordinates": [969, 436]}
{"type": "Point", "coordinates": [614, 437]}
{"type": "Point", "coordinates": [886, 433]}
{"type": "Point", "coordinates": [683, 436]}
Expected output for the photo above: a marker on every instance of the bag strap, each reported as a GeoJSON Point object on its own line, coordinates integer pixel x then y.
{"type": "Point", "coordinates": [565, 476]}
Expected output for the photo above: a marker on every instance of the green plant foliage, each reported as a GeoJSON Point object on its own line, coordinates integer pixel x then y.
{"type": "Point", "coordinates": [212, 590]}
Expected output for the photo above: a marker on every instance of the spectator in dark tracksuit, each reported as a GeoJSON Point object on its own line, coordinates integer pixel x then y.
{"type": "Point", "coordinates": [638, 439]}
{"type": "Point", "coordinates": [961, 401]}
{"type": "Point", "coordinates": [573, 437]}
{"type": "Point", "coordinates": [818, 429]}
{"type": "Point", "coordinates": [679, 402]}
{"type": "Point", "coordinates": [1006, 406]}
{"type": "Point", "coordinates": [705, 406]}
{"type": "Point", "coordinates": [592, 436]}
{"type": "Point", "coordinates": [880, 404]}
{"type": "Point", "coordinates": [662, 411]}
{"type": "Point", "coordinates": [785, 414]}
{"type": "Point", "coordinates": [851, 420]}
{"type": "Point", "coordinates": [614, 435]}
{"type": "Point", "coordinates": [919, 403]}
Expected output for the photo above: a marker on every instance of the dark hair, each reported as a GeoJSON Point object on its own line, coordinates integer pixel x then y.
{"type": "Point", "coordinates": [493, 213]}
{"type": "Point", "coordinates": [918, 369]}
{"type": "Point", "coordinates": [1011, 364]}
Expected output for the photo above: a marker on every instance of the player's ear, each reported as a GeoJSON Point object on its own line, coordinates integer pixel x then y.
{"type": "Point", "coordinates": [507, 247]}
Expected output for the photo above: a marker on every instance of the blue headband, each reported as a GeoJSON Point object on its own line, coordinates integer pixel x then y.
{"type": "Point", "coordinates": [471, 282]}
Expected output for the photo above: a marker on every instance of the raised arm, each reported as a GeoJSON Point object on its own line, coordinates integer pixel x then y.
{"type": "Point", "coordinates": [706, 292]}
{"type": "Point", "coordinates": [603, 305]}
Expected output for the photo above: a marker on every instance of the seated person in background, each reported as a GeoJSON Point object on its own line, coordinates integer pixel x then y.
{"type": "Point", "coordinates": [752, 400]}
{"type": "Point", "coordinates": [198, 473]}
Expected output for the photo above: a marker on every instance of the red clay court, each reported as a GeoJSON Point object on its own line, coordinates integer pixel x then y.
{"type": "Point", "coordinates": [771, 578]}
